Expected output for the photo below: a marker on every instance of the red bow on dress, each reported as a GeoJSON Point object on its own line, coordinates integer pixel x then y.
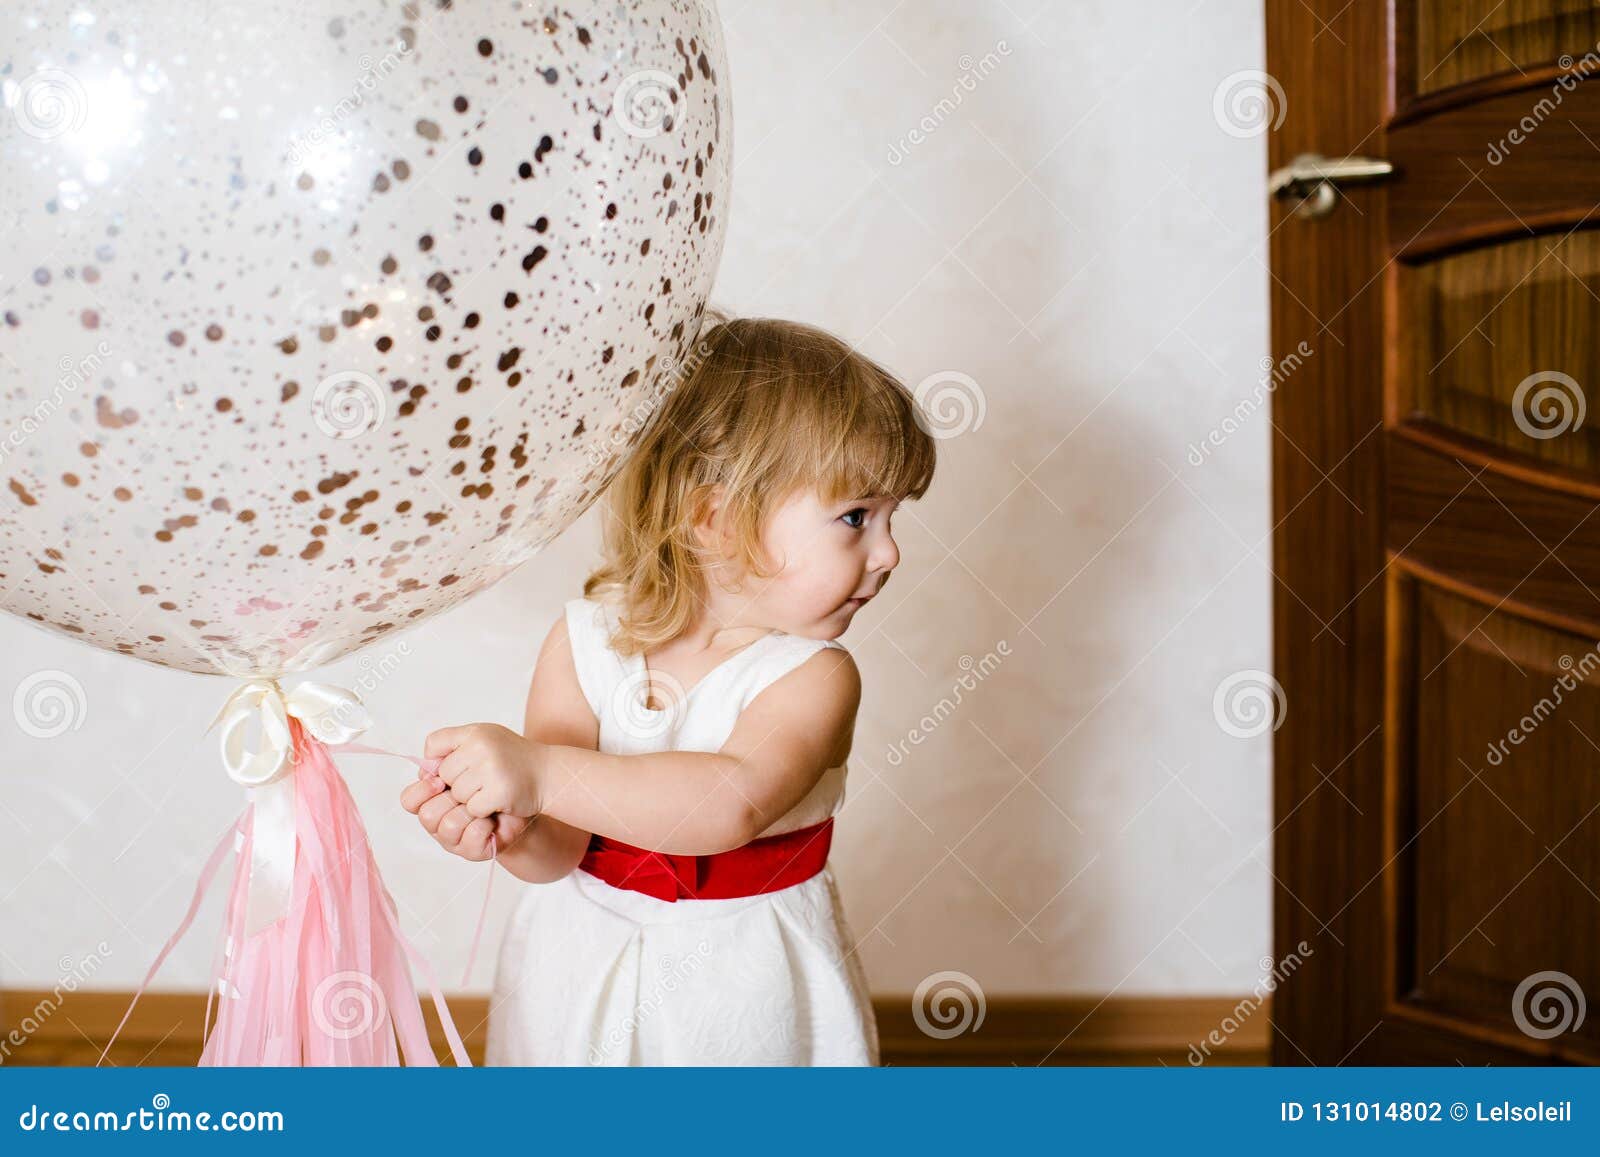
{"type": "Point", "coordinates": [763, 865]}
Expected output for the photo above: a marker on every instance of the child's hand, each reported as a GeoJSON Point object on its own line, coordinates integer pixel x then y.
{"type": "Point", "coordinates": [458, 831]}
{"type": "Point", "coordinates": [488, 768]}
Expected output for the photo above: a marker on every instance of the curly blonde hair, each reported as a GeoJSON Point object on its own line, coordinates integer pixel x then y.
{"type": "Point", "coordinates": [764, 408]}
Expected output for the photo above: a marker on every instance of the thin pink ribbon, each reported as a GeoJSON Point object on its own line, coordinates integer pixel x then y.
{"type": "Point", "coordinates": [429, 769]}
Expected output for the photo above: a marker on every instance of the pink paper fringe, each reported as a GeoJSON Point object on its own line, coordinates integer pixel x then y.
{"type": "Point", "coordinates": [329, 983]}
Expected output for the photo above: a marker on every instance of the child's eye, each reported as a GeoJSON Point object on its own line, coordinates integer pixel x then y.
{"type": "Point", "coordinates": [850, 514]}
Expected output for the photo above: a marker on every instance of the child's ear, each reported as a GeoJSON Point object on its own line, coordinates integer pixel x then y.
{"type": "Point", "coordinates": [708, 518]}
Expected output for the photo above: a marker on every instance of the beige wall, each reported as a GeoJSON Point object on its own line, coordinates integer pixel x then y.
{"type": "Point", "coordinates": [1077, 235]}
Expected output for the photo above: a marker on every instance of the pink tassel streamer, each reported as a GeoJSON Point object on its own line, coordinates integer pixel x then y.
{"type": "Point", "coordinates": [330, 982]}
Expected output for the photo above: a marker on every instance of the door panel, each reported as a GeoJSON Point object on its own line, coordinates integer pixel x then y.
{"type": "Point", "coordinates": [1451, 43]}
{"type": "Point", "coordinates": [1494, 869]}
{"type": "Point", "coordinates": [1475, 326]}
{"type": "Point", "coordinates": [1437, 555]}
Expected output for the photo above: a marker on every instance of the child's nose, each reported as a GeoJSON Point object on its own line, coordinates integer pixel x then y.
{"type": "Point", "coordinates": [887, 555]}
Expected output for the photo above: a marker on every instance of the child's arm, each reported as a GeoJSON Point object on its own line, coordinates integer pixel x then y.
{"type": "Point", "coordinates": [556, 713]}
{"type": "Point", "coordinates": [678, 802]}
{"type": "Point", "coordinates": [538, 850]}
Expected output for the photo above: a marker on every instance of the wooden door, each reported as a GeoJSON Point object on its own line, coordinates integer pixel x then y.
{"type": "Point", "coordinates": [1436, 478]}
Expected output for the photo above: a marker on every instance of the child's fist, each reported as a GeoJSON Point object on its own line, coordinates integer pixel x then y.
{"type": "Point", "coordinates": [488, 768]}
{"type": "Point", "coordinates": [456, 829]}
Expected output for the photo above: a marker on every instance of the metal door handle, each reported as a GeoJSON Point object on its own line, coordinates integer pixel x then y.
{"type": "Point", "coordinates": [1313, 180]}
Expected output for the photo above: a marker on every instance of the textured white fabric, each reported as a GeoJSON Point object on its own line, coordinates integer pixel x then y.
{"type": "Point", "coordinates": [589, 974]}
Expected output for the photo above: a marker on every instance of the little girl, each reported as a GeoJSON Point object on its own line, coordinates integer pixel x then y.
{"type": "Point", "coordinates": [688, 725]}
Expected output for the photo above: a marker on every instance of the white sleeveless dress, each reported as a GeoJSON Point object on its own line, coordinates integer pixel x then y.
{"type": "Point", "coordinates": [591, 974]}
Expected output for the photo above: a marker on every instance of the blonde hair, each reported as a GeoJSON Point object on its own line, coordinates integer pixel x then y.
{"type": "Point", "coordinates": [764, 408]}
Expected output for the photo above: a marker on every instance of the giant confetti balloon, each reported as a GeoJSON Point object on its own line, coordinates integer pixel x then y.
{"type": "Point", "coordinates": [316, 319]}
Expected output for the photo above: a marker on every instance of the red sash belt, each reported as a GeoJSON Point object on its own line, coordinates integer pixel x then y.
{"type": "Point", "coordinates": [762, 865]}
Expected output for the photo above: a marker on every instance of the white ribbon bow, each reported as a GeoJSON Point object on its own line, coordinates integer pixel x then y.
{"type": "Point", "coordinates": [332, 715]}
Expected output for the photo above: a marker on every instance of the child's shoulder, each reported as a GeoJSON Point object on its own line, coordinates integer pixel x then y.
{"type": "Point", "coordinates": [585, 614]}
{"type": "Point", "coordinates": [812, 670]}
{"type": "Point", "coordinates": [581, 622]}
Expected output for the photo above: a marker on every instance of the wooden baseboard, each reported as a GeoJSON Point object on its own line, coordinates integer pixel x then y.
{"type": "Point", "coordinates": [166, 1029]}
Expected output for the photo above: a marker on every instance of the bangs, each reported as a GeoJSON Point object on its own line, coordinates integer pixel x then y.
{"type": "Point", "coordinates": [883, 450]}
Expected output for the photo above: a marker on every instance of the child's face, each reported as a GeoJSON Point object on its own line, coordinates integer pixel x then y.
{"type": "Point", "coordinates": [833, 558]}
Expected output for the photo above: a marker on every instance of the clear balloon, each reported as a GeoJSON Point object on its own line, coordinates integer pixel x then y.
{"type": "Point", "coordinates": [317, 319]}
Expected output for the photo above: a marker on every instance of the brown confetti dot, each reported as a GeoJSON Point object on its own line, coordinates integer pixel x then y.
{"type": "Point", "coordinates": [112, 418]}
